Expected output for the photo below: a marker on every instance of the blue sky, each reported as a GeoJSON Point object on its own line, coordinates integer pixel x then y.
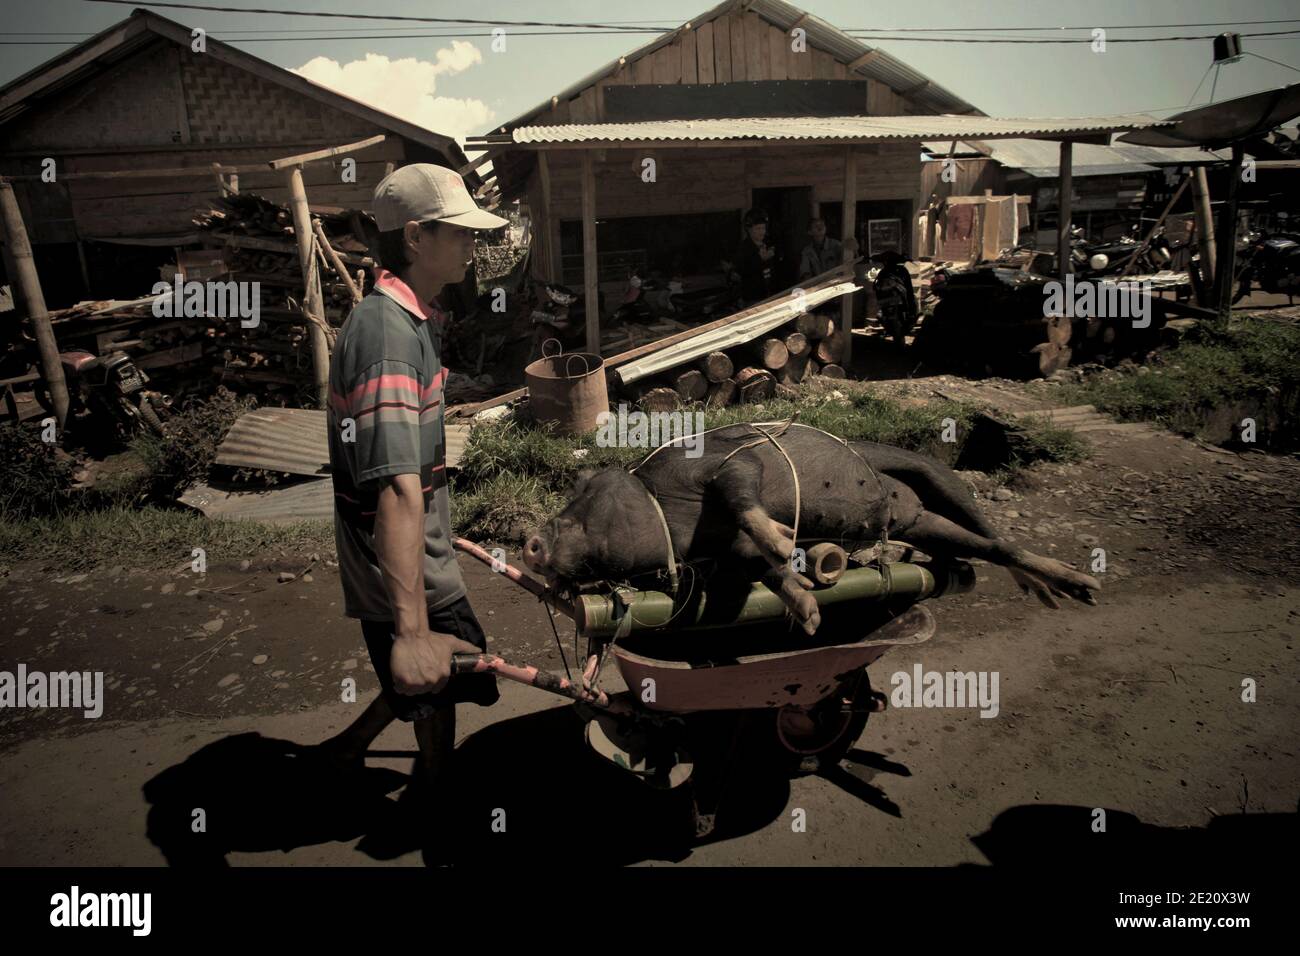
{"type": "Point", "coordinates": [468, 90]}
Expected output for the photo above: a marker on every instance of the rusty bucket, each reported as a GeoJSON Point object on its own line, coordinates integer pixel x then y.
{"type": "Point", "coordinates": [567, 390]}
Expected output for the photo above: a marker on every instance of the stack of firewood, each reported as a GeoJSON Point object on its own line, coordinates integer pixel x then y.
{"type": "Point", "coordinates": [768, 367]}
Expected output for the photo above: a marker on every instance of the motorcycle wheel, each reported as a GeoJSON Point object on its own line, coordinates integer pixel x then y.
{"type": "Point", "coordinates": [813, 739]}
{"type": "Point", "coordinates": [150, 416]}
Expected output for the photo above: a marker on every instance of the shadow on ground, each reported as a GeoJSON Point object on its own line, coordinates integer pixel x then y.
{"type": "Point", "coordinates": [533, 772]}
{"type": "Point", "coordinates": [1048, 837]}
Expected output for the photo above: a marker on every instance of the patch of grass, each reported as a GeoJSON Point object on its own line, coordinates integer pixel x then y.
{"type": "Point", "coordinates": [151, 538]}
{"type": "Point", "coordinates": [1040, 440]}
{"type": "Point", "coordinates": [1216, 366]}
{"type": "Point", "coordinates": [172, 462]}
{"type": "Point", "coordinates": [503, 508]}
{"type": "Point", "coordinates": [35, 478]}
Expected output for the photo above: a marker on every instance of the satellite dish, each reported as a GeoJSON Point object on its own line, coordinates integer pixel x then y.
{"type": "Point", "coordinates": [1220, 124]}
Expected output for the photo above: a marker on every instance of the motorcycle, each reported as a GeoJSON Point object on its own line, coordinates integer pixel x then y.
{"type": "Point", "coordinates": [1273, 262]}
{"type": "Point", "coordinates": [109, 389]}
{"type": "Point", "coordinates": [1093, 259]}
{"type": "Point", "coordinates": [896, 299]}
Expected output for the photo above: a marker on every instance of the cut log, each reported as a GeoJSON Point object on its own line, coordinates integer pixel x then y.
{"type": "Point", "coordinates": [771, 354]}
{"type": "Point", "coordinates": [717, 366]}
{"type": "Point", "coordinates": [814, 325]}
{"type": "Point", "coordinates": [691, 385]}
{"type": "Point", "coordinates": [795, 370]}
{"type": "Point", "coordinates": [830, 349]}
{"type": "Point", "coordinates": [721, 393]}
{"type": "Point", "coordinates": [659, 399]}
{"type": "Point", "coordinates": [796, 343]}
{"type": "Point", "coordinates": [755, 384]}
{"type": "Point", "coordinates": [831, 370]}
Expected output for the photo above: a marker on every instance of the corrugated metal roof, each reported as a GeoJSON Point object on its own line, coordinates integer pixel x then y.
{"type": "Point", "coordinates": [776, 314]}
{"type": "Point", "coordinates": [294, 440]}
{"type": "Point", "coordinates": [1042, 158]}
{"type": "Point", "coordinates": [822, 35]}
{"type": "Point", "coordinates": [858, 128]}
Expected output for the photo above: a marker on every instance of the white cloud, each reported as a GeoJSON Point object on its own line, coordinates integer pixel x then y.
{"type": "Point", "coordinates": [406, 88]}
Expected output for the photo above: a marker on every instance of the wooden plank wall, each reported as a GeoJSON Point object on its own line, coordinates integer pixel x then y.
{"type": "Point", "coordinates": [717, 180]}
{"type": "Point", "coordinates": [732, 48]}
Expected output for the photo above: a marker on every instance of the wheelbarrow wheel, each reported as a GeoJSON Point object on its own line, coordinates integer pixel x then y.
{"type": "Point", "coordinates": [812, 739]}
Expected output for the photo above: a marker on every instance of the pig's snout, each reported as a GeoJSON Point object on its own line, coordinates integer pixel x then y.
{"type": "Point", "coordinates": [536, 556]}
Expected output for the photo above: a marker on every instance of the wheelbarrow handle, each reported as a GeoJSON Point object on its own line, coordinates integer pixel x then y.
{"type": "Point", "coordinates": [464, 663]}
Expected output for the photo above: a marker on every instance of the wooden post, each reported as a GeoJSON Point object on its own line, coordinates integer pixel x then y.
{"type": "Point", "coordinates": [29, 285]}
{"type": "Point", "coordinates": [312, 299]}
{"type": "Point", "coordinates": [553, 265]}
{"type": "Point", "coordinates": [590, 272]}
{"type": "Point", "coordinates": [847, 229]}
{"type": "Point", "coordinates": [1064, 209]}
{"type": "Point", "coordinates": [1227, 237]}
{"type": "Point", "coordinates": [1204, 229]}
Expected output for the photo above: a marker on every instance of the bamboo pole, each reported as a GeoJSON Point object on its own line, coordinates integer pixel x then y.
{"type": "Point", "coordinates": [1204, 227]}
{"type": "Point", "coordinates": [29, 285]}
{"type": "Point", "coordinates": [353, 291]}
{"type": "Point", "coordinates": [1154, 229]}
{"type": "Point", "coordinates": [312, 298]}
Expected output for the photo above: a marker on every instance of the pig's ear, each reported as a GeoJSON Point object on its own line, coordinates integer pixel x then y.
{"type": "Point", "coordinates": [580, 482]}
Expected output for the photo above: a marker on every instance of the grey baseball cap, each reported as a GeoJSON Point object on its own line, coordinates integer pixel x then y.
{"type": "Point", "coordinates": [422, 192]}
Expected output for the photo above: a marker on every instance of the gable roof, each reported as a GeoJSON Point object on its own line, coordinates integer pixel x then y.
{"type": "Point", "coordinates": [127, 37]}
{"type": "Point", "coordinates": [871, 62]}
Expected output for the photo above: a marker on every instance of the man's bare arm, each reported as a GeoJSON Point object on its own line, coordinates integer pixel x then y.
{"type": "Point", "coordinates": [421, 659]}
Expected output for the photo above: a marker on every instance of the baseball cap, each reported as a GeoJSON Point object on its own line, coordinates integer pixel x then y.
{"type": "Point", "coordinates": [422, 192]}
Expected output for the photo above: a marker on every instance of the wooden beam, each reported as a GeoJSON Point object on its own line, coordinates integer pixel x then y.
{"type": "Point", "coordinates": [312, 299]}
{"type": "Point", "coordinates": [19, 255]}
{"type": "Point", "coordinates": [474, 164]}
{"type": "Point", "coordinates": [1064, 207]}
{"type": "Point", "coordinates": [552, 263]}
{"type": "Point", "coordinates": [1227, 252]}
{"type": "Point", "coordinates": [278, 164]}
{"type": "Point", "coordinates": [863, 60]}
{"type": "Point", "coordinates": [849, 221]}
{"type": "Point", "coordinates": [590, 263]}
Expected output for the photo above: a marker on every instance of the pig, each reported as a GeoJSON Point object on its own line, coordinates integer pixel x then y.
{"type": "Point", "coordinates": [737, 502]}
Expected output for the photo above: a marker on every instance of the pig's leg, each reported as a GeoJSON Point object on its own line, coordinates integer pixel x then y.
{"type": "Point", "coordinates": [943, 493]}
{"type": "Point", "coordinates": [1047, 577]}
{"type": "Point", "coordinates": [793, 589]}
{"type": "Point", "coordinates": [738, 483]}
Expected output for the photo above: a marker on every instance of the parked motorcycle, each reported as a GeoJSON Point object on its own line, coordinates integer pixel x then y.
{"type": "Point", "coordinates": [109, 389]}
{"type": "Point", "coordinates": [1272, 262]}
{"type": "Point", "coordinates": [895, 297]}
{"type": "Point", "coordinates": [1092, 259]}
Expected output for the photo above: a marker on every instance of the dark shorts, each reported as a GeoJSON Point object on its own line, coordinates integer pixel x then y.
{"type": "Point", "coordinates": [457, 619]}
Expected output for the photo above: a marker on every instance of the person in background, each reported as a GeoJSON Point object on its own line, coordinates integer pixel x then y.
{"type": "Point", "coordinates": [821, 253]}
{"type": "Point", "coordinates": [755, 261]}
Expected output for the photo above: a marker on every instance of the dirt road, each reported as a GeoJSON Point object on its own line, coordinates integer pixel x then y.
{"type": "Point", "coordinates": [1135, 706]}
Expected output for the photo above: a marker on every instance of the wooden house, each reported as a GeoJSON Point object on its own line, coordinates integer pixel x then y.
{"type": "Point", "coordinates": [140, 96]}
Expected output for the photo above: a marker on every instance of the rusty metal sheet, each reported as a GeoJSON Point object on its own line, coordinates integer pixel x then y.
{"type": "Point", "coordinates": [291, 440]}
{"type": "Point", "coordinates": [295, 441]}
{"type": "Point", "coordinates": [302, 501]}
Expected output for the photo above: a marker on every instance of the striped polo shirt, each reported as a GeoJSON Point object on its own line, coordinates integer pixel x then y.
{"type": "Point", "coordinates": [386, 418]}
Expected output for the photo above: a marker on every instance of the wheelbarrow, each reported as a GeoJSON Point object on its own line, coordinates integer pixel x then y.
{"type": "Point", "coordinates": [721, 668]}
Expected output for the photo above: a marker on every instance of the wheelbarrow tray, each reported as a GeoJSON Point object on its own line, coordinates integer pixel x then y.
{"type": "Point", "coordinates": [799, 675]}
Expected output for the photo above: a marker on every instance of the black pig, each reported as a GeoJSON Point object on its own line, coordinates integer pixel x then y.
{"type": "Point", "coordinates": [736, 501]}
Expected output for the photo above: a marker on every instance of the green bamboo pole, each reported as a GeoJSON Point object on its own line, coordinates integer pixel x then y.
{"type": "Point", "coordinates": [599, 615]}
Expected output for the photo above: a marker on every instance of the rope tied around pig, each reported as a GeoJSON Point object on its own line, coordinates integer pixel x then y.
{"type": "Point", "coordinates": [778, 428]}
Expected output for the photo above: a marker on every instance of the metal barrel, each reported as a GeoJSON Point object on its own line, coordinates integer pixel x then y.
{"type": "Point", "coordinates": [599, 615]}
